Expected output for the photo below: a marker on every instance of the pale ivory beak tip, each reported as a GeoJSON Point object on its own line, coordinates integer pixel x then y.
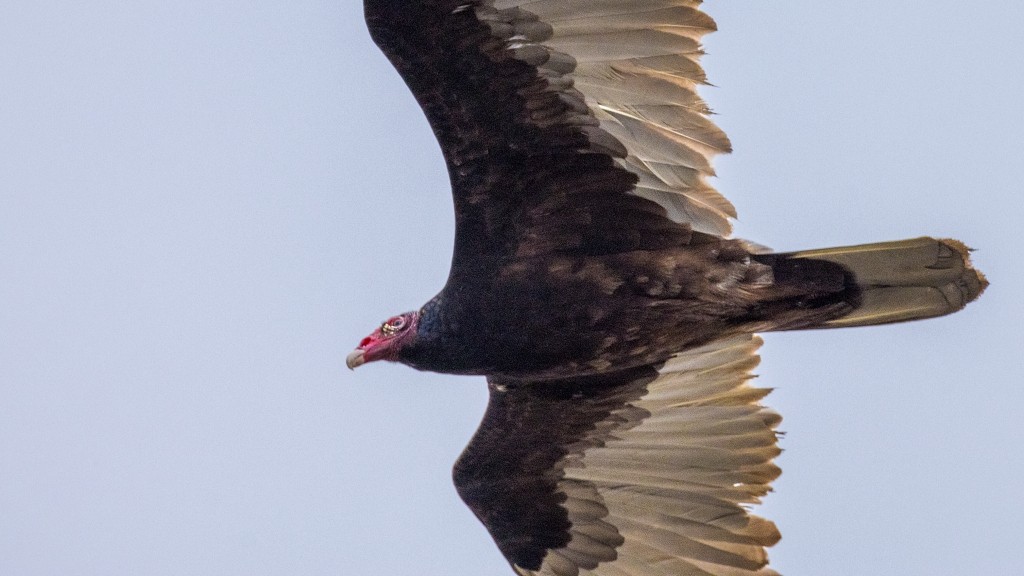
{"type": "Point", "coordinates": [355, 359]}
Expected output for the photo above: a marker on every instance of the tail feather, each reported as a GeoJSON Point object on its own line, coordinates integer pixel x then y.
{"type": "Point", "coordinates": [904, 280]}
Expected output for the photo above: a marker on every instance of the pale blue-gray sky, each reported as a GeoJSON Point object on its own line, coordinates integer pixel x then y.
{"type": "Point", "coordinates": [205, 205]}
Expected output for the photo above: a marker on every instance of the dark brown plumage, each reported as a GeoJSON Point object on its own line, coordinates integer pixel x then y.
{"type": "Point", "coordinates": [593, 282]}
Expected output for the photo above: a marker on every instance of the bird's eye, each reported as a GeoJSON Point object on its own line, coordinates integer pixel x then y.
{"type": "Point", "coordinates": [393, 325]}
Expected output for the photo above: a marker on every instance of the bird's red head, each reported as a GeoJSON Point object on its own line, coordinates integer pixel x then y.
{"type": "Point", "coordinates": [385, 341]}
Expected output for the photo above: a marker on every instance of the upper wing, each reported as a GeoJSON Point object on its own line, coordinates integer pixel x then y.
{"type": "Point", "coordinates": [645, 472]}
{"type": "Point", "coordinates": [556, 116]}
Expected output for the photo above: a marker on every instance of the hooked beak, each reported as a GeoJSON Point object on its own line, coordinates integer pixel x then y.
{"type": "Point", "coordinates": [355, 359]}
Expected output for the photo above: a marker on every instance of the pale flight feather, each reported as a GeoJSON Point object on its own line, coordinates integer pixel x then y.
{"type": "Point", "coordinates": [637, 69]}
{"type": "Point", "coordinates": [662, 485]}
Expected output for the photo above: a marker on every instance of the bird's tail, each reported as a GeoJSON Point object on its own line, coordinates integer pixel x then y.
{"type": "Point", "coordinates": [893, 281]}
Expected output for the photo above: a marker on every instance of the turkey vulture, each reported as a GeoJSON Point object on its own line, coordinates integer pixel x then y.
{"type": "Point", "coordinates": [595, 285]}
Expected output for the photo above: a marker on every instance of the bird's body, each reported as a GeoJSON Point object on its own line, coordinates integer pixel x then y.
{"type": "Point", "coordinates": [594, 283]}
{"type": "Point", "coordinates": [576, 315]}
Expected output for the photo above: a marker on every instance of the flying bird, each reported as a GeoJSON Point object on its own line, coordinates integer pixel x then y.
{"type": "Point", "coordinates": [595, 284]}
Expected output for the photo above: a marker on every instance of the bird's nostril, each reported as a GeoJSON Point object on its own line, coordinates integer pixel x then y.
{"type": "Point", "coordinates": [365, 342]}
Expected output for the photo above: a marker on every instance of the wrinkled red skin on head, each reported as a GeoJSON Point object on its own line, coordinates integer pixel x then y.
{"type": "Point", "coordinates": [384, 345]}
